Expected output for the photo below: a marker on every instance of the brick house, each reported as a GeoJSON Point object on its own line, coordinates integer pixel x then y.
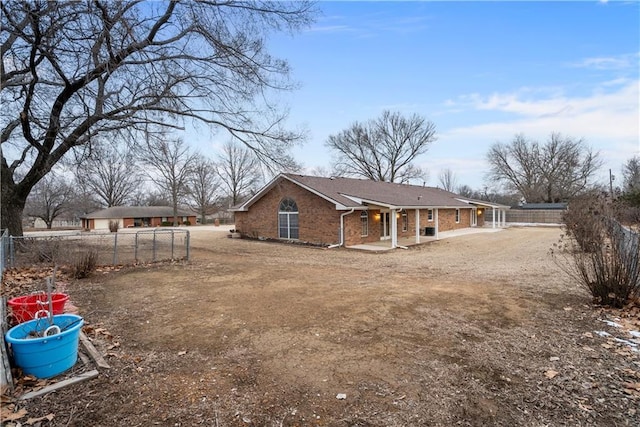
{"type": "Point", "coordinates": [134, 216]}
{"type": "Point", "coordinates": [348, 212]}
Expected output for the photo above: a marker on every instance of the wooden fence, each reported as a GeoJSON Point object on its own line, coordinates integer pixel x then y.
{"type": "Point", "coordinates": [538, 216]}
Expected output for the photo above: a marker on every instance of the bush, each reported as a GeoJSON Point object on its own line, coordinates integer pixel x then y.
{"type": "Point", "coordinates": [599, 253]}
{"type": "Point", "coordinates": [166, 223]}
{"type": "Point", "coordinates": [85, 264]}
{"type": "Point", "coordinates": [186, 222]}
{"type": "Point", "coordinates": [113, 226]}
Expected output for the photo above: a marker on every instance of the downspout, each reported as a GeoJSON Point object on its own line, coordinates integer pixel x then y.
{"type": "Point", "coordinates": [341, 229]}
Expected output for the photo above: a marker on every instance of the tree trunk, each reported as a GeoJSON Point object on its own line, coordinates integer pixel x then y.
{"type": "Point", "coordinates": [11, 211]}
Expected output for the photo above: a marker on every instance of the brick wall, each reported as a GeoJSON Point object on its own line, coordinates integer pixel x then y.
{"type": "Point", "coordinates": [319, 220]}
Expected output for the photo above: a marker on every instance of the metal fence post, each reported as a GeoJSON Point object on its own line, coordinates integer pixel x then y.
{"type": "Point", "coordinates": [115, 248]}
{"type": "Point", "coordinates": [154, 244]}
{"type": "Point", "coordinates": [12, 252]}
{"type": "Point", "coordinates": [135, 247]}
{"type": "Point", "coordinates": [172, 243]}
{"type": "Point", "coordinates": [3, 250]}
{"type": "Point", "coordinates": [187, 241]}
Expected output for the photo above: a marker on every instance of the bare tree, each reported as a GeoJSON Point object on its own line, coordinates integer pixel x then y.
{"type": "Point", "coordinates": [170, 166]}
{"type": "Point", "coordinates": [239, 170]}
{"type": "Point", "coordinates": [630, 210]}
{"type": "Point", "coordinates": [204, 187]}
{"type": "Point", "coordinates": [383, 149]}
{"type": "Point", "coordinates": [631, 175]}
{"type": "Point", "coordinates": [465, 191]}
{"type": "Point", "coordinates": [50, 198]}
{"type": "Point", "coordinates": [448, 180]}
{"type": "Point", "coordinates": [75, 70]}
{"type": "Point", "coordinates": [111, 174]}
{"type": "Point", "coordinates": [552, 172]}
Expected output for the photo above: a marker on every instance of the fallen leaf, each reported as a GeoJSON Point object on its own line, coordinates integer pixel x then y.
{"type": "Point", "coordinates": [182, 353]}
{"type": "Point", "coordinates": [551, 373]}
{"type": "Point", "coordinates": [32, 421]}
{"type": "Point", "coordinates": [7, 414]}
{"type": "Point", "coordinates": [634, 386]}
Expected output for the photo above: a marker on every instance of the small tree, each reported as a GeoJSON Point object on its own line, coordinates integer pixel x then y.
{"type": "Point", "coordinates": [204, 188]}
{"type": "Point", "coordinates": [170, 166]}
{"type": "Point", "coordinates": [50, 198]}
{"type": "Point", "coordinates": [448, 180]}
{"type": "Point", "coordinates": [598, 252]}
{"type": "Point", "coordinates": [239, 170]}
{"type": "Point", "coordinates": [111, 174]}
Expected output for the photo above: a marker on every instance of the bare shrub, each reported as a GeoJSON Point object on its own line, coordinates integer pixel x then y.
{"type": "Point", "coordinates": [85, 264]}
{"type": "Point", "coordinates": [583, 221]}
{"type": "Point", "coordinates": [113, 226]}
{"type": "Point", "coordinates": [599, 253]}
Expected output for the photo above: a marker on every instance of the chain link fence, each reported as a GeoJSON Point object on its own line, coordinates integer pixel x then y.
{"type": "Point", "coordinates": [120, 248]}
{"type": "Point", "coordinates": [4, 250]}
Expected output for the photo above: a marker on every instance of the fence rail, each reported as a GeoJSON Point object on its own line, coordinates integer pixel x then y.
{"type": "Point", "coordinates": [110, 248]}
{"type": "Point", "coordinates": [629, 242]}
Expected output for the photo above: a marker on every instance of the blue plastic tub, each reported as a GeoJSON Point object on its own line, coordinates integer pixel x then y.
{"type": "Point", "coordinates": [46, 357]}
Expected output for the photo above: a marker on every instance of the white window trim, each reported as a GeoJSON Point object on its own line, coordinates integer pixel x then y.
{"type": "Point", "coordinates": [429, 215]}
{"type": "Point", "coordinates": [457, 216]}
{"type": "Point", "coordinates": [405, 221]}
{"type": "Point", "coordinates": [364, 216]}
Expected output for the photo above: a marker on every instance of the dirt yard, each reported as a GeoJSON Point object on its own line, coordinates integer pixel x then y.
{"type": "Point", "coordinates": [476, 330]}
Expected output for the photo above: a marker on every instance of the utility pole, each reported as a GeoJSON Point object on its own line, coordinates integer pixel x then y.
{"type": "Point", "coordinates": [611, 178]}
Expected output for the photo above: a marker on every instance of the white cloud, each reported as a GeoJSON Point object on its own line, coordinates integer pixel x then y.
{"type": "Point", "coordinates": [612, 113]}
{"type": "Point", "coordinates": [617, 62]}
{"type": "Point", "coordinates": [608, 119]}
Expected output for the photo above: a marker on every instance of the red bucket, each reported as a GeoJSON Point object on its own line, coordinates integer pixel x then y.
{"type": "Point", "coordinates": [25, 308]}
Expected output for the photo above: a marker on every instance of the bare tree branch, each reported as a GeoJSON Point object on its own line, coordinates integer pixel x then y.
{"type": "Point", "coordinates": [75, 71]}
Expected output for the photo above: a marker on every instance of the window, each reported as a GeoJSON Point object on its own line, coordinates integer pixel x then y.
{"type": "Point", "coordinates": [457, 216]}
{"type": "Point", "coordinates": [288, 219]}
{"type": "Point", "coordinates": [364, 223]}
{"type": "Point", "coordinates": [429, 214]}
{"type": "Point", "coordinates": [405, 221]}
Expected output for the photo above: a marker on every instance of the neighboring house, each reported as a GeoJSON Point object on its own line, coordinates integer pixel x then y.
{"type": "Point", "coordinates": [134, 216]}
{"type": "Point", "coordinates": [345, 211]}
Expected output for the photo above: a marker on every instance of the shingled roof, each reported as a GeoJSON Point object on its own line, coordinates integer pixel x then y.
{"type": "Point", "coordinates": [135, 212]}
{"type": "Point", "coordinates": [348, 193]}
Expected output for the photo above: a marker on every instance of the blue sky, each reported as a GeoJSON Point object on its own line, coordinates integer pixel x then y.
{"type": "Point", "coordinates": [481, 71]}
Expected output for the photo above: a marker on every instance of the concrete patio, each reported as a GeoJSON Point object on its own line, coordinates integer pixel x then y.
{"type": "Point", "coordinates": [385, 245]}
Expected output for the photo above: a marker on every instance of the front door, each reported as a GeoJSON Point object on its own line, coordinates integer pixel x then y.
{"type": "Point", "coordinates": [384, 226]}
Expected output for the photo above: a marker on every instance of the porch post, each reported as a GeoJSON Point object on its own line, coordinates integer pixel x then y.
{"type": "Point", "coordinates": [435, 213]}
{"type": "Point", "coordinates": [417, 226]}
{"type": "Point", "coordinates": [394, 228]}
{"type": "Point", "coordinates": [493, 217]}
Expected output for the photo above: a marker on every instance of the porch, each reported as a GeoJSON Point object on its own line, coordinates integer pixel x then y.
{"type": "Point", "coordinates": [385, 245]}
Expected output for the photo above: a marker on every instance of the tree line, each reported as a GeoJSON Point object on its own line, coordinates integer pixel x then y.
{"type": "Point", "coordinates": [168, 173]}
